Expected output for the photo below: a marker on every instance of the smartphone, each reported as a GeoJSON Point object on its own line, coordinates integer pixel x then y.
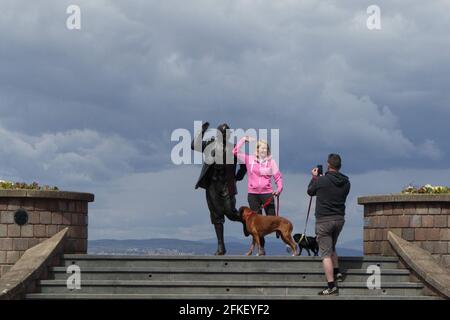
{"type": "Point", "coordinates": [319, 170]}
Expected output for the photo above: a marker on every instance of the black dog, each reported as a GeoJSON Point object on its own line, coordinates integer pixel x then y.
{"type": "Point", "coordinates": [308, 243]}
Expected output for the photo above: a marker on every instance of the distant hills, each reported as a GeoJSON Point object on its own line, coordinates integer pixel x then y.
{"type": "Point", "coordinates": [234, 246]}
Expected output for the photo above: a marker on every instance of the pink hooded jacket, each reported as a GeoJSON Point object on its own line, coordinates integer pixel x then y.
{"type": "Point", "coordinates": [259, 172]}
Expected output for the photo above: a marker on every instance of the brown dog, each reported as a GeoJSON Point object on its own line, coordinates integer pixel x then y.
{"type": "Point", "coordinates": [259, 226]}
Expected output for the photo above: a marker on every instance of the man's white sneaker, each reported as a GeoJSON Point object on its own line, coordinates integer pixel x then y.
{"type": "Point", "coordinates": [329, 292]}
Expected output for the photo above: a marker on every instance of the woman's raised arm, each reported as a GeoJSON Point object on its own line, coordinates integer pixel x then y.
{"type": "Point", "coordinates": [242, 156]}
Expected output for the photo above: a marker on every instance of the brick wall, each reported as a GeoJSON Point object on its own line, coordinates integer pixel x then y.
{"type": "Point", "coordinates": [46, 217]}
{"type": "Point", "coordinates": [425, 223]}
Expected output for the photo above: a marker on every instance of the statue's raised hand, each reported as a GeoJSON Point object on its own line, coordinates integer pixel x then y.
{"type": "Point", "coordinates": [205, 126]}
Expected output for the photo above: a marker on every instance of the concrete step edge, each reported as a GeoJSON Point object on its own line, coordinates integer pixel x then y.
{"type": "Point", "coordinates": [222, 258]}
{"type": "Point", "coordinates": [218, 297]}
{"type": "Point", "coordinates": [206, 270]}
{"type": "Point", "coordinates": [141, 283]}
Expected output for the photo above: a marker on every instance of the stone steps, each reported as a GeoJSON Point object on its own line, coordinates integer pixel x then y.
{"type": "Point", "coordinates": [231, 262]}
{"type": "Point", "coordinates": [213, 274]}
{"type": "Point", "coordinates": [254, 288]}
{"type": "Point", "coordinates": [84, 296]}
{"type": "Point", "coordinates": [222, 277]}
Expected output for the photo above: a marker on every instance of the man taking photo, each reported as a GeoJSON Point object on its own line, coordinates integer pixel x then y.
{"type": "Point", "coordinates": [331, 191]}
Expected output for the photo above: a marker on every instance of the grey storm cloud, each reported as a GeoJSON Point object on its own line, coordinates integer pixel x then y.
{"type": "Point", "coordinates": [141, 69]}
{"type": "Point", "coordinates": [96, 107]}
{"type": "Point", "coordinates": [71, 157]}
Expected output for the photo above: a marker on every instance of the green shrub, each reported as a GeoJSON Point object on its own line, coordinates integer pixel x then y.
{"type": "Point", "coordinates": [25, 186]}
{"type": "Point", "coordinates": [426, 189]}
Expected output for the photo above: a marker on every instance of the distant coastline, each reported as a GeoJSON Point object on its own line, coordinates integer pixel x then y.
{"type": "Point", "coordinates": [200, 247]}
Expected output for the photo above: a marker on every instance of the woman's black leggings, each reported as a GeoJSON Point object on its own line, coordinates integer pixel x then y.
{"type": "Point", "coordinates": [256, 200]}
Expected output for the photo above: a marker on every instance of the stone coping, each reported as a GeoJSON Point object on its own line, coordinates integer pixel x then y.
{"type": "Point", "coordinates": [225, 258]}
{"type": "Point", "coordinates": [31, 266]}
{"type": "Point", "coordinates": [404, 198]}
{"type": "Point", "coordinates": [422, 263]}
{"type": "Point", "coordinates": [56, 194]}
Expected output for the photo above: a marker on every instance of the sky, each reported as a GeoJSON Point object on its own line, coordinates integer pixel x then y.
{"type": "Point", "coordinates": [93, 110]}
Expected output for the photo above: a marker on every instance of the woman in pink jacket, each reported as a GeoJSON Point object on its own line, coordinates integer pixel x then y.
{"type": "Point", "coordinates": [260, 170]}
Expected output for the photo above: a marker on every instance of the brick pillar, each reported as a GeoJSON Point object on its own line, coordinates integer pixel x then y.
{"type": "Point", "coordinates": [421, 219]}
{"type": "Point", "coordinates": [47, 213]}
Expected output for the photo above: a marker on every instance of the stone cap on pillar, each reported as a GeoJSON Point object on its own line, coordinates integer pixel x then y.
{"type": "Point", "coordinates": [404, 198]}
{"type": "Point", "coordinates": [48, 194]}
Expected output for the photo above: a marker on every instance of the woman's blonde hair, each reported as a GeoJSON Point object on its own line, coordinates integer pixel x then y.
{"type": "Point", "coordinates": [262, 143]}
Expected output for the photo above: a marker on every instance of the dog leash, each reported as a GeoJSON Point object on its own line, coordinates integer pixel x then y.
{"type": "Point", "coordinates": [306, 223]}
{"type": "Point", "coordinates": [269, 200]}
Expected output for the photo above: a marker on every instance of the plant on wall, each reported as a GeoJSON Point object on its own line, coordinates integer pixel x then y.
{"type": "Point", "coordinates": [25, 186]}
{"type": "Point", "coordinates": [426, 189]}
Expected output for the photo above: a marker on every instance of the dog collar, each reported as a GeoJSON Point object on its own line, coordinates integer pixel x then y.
{"type": "Point", "coordinates": [251, 213]}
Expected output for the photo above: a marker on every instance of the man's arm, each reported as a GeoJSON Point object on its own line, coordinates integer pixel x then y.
{"type": "Point", "coordinates": [313, 186]}
{"type": "Point", "coordinates": [197, 143]}
{"type": "Point", "coordinates": [314, 183]}
{"type": "Point", "coordinates": [347, 187]}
